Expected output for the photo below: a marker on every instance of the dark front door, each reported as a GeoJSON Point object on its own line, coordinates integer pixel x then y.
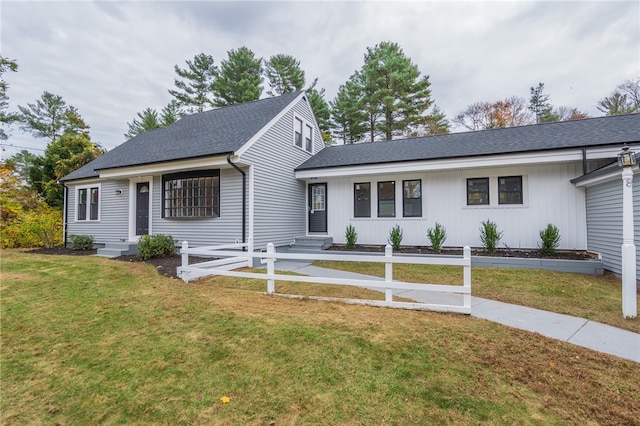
{"type": "Point", "coordinates": [317, 207]}
{"type": "Point", "coordinates": [142, 208]}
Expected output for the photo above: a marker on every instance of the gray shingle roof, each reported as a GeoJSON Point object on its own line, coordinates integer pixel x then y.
{"type": "Point", "coordinates": [216, 132]}
{"type": "Point", "coordinates": [615, 130]}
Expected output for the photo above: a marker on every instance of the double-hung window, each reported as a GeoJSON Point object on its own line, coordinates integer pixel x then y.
{"type": "Point", "coordinates": [362, 200]}
{"type": "Point", "coordinates": [510, 190]}
{"type": "Point", "coordinates": [191, 195]}
{"type": "Point", "coordinates": [88, 203]}
{"type": "Point", "coordinates": [387, 199]}
{"type": "Point", "coordinates": [297, 129]}
{"type": "Point", "coordinates": [412, 198]}
{"type": "Point", "coordinates": [478, 191]}
{"type": "Point", "coordinates": [302, 133]}
{"type": "Point", "coordinates": [308, 133]}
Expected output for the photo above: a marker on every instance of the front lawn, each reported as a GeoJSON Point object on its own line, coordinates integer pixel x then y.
{"type": "Point", "coordinates": [88, 340]}
{"type": "Point", "coordinates": [597, 298]}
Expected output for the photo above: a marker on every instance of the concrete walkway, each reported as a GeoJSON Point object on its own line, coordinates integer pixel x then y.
{"type": "Point", "coordinates": [578, 331]}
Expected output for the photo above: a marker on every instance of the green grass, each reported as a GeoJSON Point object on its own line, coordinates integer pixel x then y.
{"type": "Point", "coordinates": [597, 298]}
{"type": "Point", "coordinates": [87, 340]}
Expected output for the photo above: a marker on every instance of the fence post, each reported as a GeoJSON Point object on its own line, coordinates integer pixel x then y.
{"type": "Point", "coordinates": [185, 261]}
{"type": "Point", "coordinates": [388, 273]}
{"type": "Point", "coordinates": [467, 275]}
{"type": "Point", "coordinates": [250, 251]}
{"type": "Point", "coordinates": [271, 284]}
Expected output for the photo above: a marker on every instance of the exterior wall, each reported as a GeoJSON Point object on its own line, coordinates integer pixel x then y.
{"type": "Point", "coordinates": [549, 197]}
{"type": "Point", "coordinates": [200, 232]}
{"type": "Point", "coordinates": [113, 225]}
{"type": "Point", "coordinates": [604, 222]}
{"type": "Point", "coordinates": [279, 205]}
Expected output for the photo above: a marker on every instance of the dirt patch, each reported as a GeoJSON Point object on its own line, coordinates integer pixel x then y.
{"type": "Point", "coordinates": [457, 251]}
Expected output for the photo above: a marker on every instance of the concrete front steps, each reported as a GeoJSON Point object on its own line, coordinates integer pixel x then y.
{"type": "Point", "coordinates": [310, 244]}
{"type": "Point", "coordinates": [118, 249]}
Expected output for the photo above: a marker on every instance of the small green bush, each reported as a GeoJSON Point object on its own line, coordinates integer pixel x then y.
{"type": "Point", "coordinates": [81, 242]}
{"type": "Point", "coordinates": [158, 245]}
{"type": "Point", "coordinates": [395, 237]}
{"type": "Point", "coordinates": [351, 237]}
{"type": "Point", "coordinates": [36, 228]}
{"type": "Point", "coordinates": [437, 235]}
{"type": "Point", "coordinates": [550, 237]}
{"type": "Point", "coordinates": [490, 236]}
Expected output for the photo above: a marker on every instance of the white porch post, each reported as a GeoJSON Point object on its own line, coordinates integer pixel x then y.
{"type": "Point", "coordinates": [629, 302]}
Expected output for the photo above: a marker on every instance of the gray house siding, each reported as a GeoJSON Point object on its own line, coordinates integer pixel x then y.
{"type": "Point", "coordinates": [114, 213]}
{"type": "Point", "coordinates": [199, 232]}
{"type": "Point", "coordinates": [604, 222]}
{"type": "Point", "coordinates": [279, 198]}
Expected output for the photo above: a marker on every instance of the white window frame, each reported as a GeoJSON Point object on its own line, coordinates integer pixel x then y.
{"type": "Point", "coordinates": [307, 129]}
{"type": "Point", "coordinates": [87, 187]}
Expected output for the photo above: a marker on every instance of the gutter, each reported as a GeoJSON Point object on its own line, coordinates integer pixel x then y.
{"type": "Point", "coordinates": [244, 199]}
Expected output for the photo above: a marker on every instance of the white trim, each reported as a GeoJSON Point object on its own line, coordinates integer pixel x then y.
{"type": "Point", "coordinates": [88, 186]}
{"type": "Point", "coordinates": [443, 164]}
{"type": "Point", "coordinates": [614, 174]}
{"type": "Point", "coordinates": [132, 205]}
{"type": "Point", "coordinates": [252, 207]}
{"type": "Point", "coordinates": [267, 126]}
{"type": "Point", "coordinates": [166, 167]}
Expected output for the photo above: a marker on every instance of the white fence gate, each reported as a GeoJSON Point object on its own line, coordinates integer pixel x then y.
{"type": "Point", "coordinates": [229, 257]}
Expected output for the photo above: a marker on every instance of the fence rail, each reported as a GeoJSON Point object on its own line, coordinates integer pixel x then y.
{"type": "Point", "coordinates": [229, 257]}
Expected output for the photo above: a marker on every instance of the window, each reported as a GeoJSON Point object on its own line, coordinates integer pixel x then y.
{"type": "Point", "coordinates": [510, 190]}
{"type": "Point", "coordinates": [298, 132]}
{"type": "Point", "coordinates": [191, 194]}
{"type": "Point", "coordinates": [88, 203]}
{"type": "Point", "coordinates": [412, 198]}
{"type": "Point", "coordinates": [307, 138]}
{"type": "Point", "coordinates": [477, 191]}
{"type": "Point", "coordinates": [387, 199]}
{"type": "Point", "coordinates": [362, 200]}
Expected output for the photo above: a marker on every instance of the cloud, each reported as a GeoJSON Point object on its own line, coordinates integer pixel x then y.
{"type": "Point", "coordinates": [114, 59]}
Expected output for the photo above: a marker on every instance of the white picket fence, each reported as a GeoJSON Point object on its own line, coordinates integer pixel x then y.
{"type": "Point", "coordinates": [229, 257]}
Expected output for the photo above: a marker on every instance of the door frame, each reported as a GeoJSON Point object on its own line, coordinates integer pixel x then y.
{"type": "Point", "coordinates": [326, 210]}
{"type": "Point", "coordinates": [133, 183]}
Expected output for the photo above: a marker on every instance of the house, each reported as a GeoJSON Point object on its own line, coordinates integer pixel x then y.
{"type": "Point", "coordinates": [210, 178]}
{"type": "Point", "coordinates": [521, 178]}
{"type": "Point", "coordinates": [259, 172]}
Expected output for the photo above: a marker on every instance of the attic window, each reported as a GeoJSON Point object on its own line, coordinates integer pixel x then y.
{"type": "Point", "coordinates": [302, 134]}
{"type": "Point", "coordinates": [191, 195]}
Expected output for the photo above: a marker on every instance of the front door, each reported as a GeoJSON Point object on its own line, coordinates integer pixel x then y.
{"type": "Point", "coordinates": [317, 207]}
{"type": "Point", "coordinates": [142, 208]}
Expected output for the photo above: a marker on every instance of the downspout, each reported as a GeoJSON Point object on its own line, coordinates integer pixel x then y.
{"type": "Point", "coordinates": [65, 192]}
{"type": "Point", "coordinates": [584, 161]}
{"type": "Point", "coordinates": [244, 199]}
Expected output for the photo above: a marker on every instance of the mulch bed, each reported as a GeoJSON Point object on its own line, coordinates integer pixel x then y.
{"type": "Point", "coordinates": [166, 266]}
{"type": "Point", "coordinates": [457, 251]}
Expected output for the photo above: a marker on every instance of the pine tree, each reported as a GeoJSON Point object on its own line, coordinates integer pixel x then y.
{"type": "Point", "coordinates": [48, 117]}
{"type": "Point", "coordinates": [194, 91]}
{"type": "Point", "coordinates": [284, 75]}
{"type": "Point", "coordinates": [349, 117]}
{"type": "Point", "coordinates": [6, 118]}
{"type": "Point", "coordinates": [540, 106]}
{"type": "Point", "coordinates": [239, 79]}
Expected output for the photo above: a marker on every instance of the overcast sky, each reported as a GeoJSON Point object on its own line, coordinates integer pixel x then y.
{"type": "Point", "coordinates": [113, 59]}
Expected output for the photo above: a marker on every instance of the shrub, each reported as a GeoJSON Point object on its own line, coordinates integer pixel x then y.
{"type": "Point", "coordinates": [351, 237]}
{"type": "Point", "coordinates": [550, 237]}
{"type": "Point", "coordinates": [395, 237]}
{"type": "Point", "coordinates": [437, 235]}
{"type": "Point", "coordinates": [81, 242]}
{"type": "Point", "coordinates": [158, 245]}
{"type": "Point", "coordinates": [490, 236]}
{"type": "Point", "coordinates": [36, 228]}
